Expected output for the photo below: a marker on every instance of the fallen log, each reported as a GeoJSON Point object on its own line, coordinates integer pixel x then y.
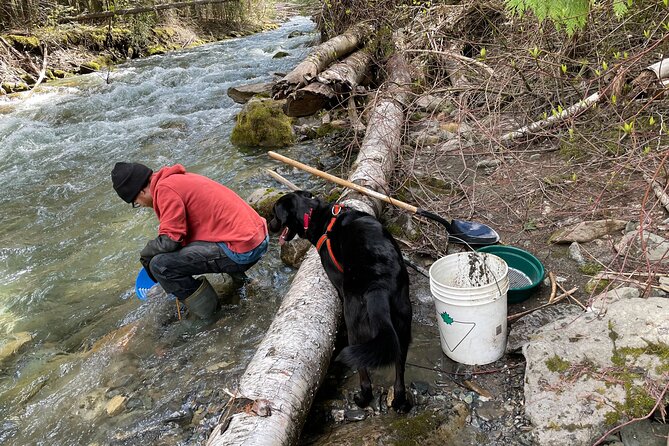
{"type": "Point", "coordinates": [331, 86]}
{"type": "Point", "coordinates": [322, 56]}
{"type": "Point", "coordinates": [292, 359]}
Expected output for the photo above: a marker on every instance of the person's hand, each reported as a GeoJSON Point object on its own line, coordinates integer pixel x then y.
{"type": "Point", "coordinates": [158, 245]}
{"type": "Point", "coordinates": [145, 261]}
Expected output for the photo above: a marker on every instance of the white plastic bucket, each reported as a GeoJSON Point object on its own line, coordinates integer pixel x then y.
{"type": "Point", "coordinates": [469, 291]}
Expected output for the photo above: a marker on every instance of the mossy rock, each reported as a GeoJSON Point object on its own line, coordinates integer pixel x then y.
{"type": "Point", "coordinates": [280, 55]}
{"type": "Point", "coordinates": [89, 67]}
{"type": "Point", "coordinates": [262, 123]}
{"type": "Point", "coordinates": [60, 74]}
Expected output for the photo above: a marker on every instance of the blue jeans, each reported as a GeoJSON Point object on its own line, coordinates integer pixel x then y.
{"type": "Point", "coordinates": [174, 270]}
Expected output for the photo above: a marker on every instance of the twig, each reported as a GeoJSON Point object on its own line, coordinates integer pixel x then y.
{"type": "Point", "coordinates": [572, 298]}
{"type": "Point", "coordinates": [551, 277]}
{"type": "Point", "coordinates": [634, 420]}
{"type": "Point", "coordinates": [513, 317]}
{"type": "Point", "coordinates": [282, 180]}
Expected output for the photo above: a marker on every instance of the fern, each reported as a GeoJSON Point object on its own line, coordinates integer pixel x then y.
{"type": "Point", "coordinates": [571, 15]}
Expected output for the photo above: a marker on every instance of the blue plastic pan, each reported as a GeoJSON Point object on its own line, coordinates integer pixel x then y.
{"type": "Point", "coordinates": [143, 284]}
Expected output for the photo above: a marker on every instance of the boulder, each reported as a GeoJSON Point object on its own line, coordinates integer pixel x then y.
{"type": "Point", "coordinates": [587, 231]}
{"type": "Point", "coordinates": [585, 375]}
{"type": "Point", "coordinates": [263, 199]}
{"type": "Point", "coordinates": [262, 123]}
{"type": "Point", "coordinates": [656, 248]}
{"type": "Point", "coordinates": [293, 252]}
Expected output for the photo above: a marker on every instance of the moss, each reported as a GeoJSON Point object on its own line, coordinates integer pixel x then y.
{"type": "Point", "coordinates": [590, 268]}
{"type": "Point", "coordinates": [572, 149]}
{"type": "Point", "coordinates": [324, 130]}
{"type": "Point", "coordinates": [410, 430]}
{"type": "Point", "coordinates": [262, 123]}
{"type": "Point", "coordinates": [612, 418]}
{"type": "Point", "coordinates": [24, 43]}
{"type": "Point", "coordinates": [557, 364]}
{"type": "Point", "coordinates": [156, 49]}
{"type": "Point", "coordinates": [596, 286]}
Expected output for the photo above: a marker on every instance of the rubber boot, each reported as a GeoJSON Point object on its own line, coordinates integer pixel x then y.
{"type": "Point", "coordinates": [203, 302]}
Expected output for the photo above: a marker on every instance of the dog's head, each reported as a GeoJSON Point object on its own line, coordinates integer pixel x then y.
{"type": "Point", "coordinates": [291, 215]}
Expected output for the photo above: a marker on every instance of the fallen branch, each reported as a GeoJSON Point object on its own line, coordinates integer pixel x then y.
{"type": "Point", "coordinates": [42, 73]}
{"type": "Point", "coordinates": [282, 180]}
{"type": "Point", "coordinates": [554, 119]}
{"type": "Point", "coordinates": [557, 299]}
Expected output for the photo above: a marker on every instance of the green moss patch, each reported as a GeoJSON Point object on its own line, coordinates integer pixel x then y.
{"type": "Point", "coordinates": [557, 364]}
{"type": "Point", "coordinates": [262, 123]}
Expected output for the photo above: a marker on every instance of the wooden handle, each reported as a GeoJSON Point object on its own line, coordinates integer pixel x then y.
{"type": "Point", "coordinates": [350, 185]}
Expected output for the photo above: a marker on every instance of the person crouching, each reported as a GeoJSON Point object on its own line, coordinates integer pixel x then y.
{"type": "Point", "coordinates": [204, 227]}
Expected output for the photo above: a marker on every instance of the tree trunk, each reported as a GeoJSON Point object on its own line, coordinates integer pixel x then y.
{"type": "Point", "coordinates": [322, 56]}
{"type": "Point", "coordinates": [308, 100]}
{"type": "Point", "coordinates": [292, 360]}
{"type": "Point", "coordinates": [331, 86]}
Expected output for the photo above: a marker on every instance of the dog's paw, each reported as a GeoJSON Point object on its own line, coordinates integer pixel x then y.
{"type": "Point", "coordinates": [401, 404]}
{"type": "Point", "coordinates": [363, 398]}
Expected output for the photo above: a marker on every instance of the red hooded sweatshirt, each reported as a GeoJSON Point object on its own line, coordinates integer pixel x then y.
{"type": "Point", "coordinates": [191, 208]}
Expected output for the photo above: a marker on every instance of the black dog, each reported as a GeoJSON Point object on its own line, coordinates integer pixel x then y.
{"type": "Point", "coordinates": [365, 265]}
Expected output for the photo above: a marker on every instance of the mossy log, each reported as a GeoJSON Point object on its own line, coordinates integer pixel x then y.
{"type": "Point", "coordinates": [320, 58]}
{"type": "Point", "coordinates": [292, 360]}
{"type": "Point", "coordinates": [331, 86]}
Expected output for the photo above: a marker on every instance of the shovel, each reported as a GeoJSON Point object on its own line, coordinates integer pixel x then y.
{"type": "Point", "coordinates": [460, 231]}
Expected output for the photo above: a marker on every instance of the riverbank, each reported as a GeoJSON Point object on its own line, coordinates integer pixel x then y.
{"type": "Point", "coordinates": [55, 52]}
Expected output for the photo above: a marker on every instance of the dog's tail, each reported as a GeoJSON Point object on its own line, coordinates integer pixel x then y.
{"type": "Point", "coordinates": [384, 347]}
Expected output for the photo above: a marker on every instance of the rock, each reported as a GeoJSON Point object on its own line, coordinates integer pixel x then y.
{"type": "Point", "coordinates": [575, 253]}
{"type": "Point", "coordinates": [524, 328]}
{"type": "Point", "coordinates": [293, 252]}
{"type": "Point", "coordinates": [570, 363]}
{"type": "Point", "coordinates": [293, 34]}
{"type": "Point", "coordinates": [243, 93]}
{"type": "Point", "coordinates": [116, 405]}
{"type": "Point", "coordinates": [601, 302]}
{"type": "Point", "coordinates": [262, 123]}
{"type": "Point", "coordinates": [280, 55]}
{"type": "Point", "coordinates": [645, 433]}
{"type": "Point", "coordinates": [354, 415]}
{"type": "Point", "coordinates": [17, 340]}
{"type": "Point", "coordinates": [263, 199]}
{"type": "Point", "coordinates": [587, 231]}
{"type": "Point", "coordinates": [430, 133]}
{"type": "Point", "coordinates": [433, 104]}
{"type": "Point", "coordinates": [488, 163]}
{"type": "Point", "coordinates": [656, 247]}
{"type": "Point", "coordinates": [338, 415]}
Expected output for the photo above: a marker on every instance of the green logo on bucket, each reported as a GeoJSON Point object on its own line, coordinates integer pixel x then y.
{"type": "Point", "coordinates": [446, 318]}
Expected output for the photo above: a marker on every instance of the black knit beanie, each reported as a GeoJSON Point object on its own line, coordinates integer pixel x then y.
{"type": "Point", "coordinates": [129, 179]}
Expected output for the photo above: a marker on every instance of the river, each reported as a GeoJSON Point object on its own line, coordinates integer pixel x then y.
{"type": "Point", "coordinates": [69, 249]}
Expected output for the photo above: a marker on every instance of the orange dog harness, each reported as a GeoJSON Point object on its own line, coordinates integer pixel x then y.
{"type": "Point", "coordinates": [336, 209]}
